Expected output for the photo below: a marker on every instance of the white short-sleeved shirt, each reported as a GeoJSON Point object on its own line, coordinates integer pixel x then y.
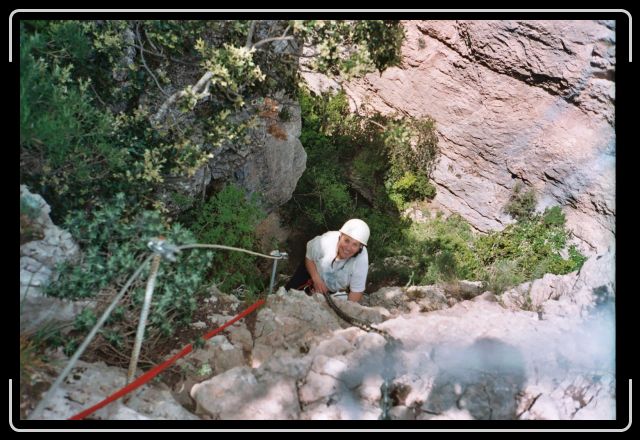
{"type": "Point", "coordinates": [338, 274]}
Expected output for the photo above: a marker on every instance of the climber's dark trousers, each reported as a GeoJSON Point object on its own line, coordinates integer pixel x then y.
{"type": "Point", "coordinates": [301, 280]}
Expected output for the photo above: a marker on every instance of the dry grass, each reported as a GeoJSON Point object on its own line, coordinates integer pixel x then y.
{"type": "Point", "coordinates": [30, 358]}
{"type": "Point", "coordinates": [275, 130]}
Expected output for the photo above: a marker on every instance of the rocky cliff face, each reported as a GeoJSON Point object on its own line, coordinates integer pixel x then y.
{"type": "Point", "coordinates": [278, 158]}
{"type": "Point", "coordinates": [529, 101]}
{"type": "Point", "coordinates": [38, 260]}
{"type": "Point", "coordinates": [270, 164]}
{"type": "Point", "coordinates": [542, 351]}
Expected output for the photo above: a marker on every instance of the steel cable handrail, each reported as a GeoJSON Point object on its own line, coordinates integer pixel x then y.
{"type": "Point", "coordinates": [166, 250]}
{"type": "Point", "coordinates": [72, 362]}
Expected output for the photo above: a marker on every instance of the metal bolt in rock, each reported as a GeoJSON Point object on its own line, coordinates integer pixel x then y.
{"type": "Point", "coordinates": [279, 255]}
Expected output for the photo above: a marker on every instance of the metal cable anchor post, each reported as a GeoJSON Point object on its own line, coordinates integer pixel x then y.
{"type": "Point", "coordinates": [280, 256]}
{"type": "Point", "coordinates": [162, 249]}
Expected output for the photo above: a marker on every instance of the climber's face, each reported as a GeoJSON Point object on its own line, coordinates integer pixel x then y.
{"type": "Point", "coordinates": [347, 247]}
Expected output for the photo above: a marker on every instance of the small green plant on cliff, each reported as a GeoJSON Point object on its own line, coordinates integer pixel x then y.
{"type": "Point", "coordinates": [412, 147]}
{"type": "Point", "coordinates": [532, 247]}
{"type": "Point", "coordinates": [522, 203]}
{"type": "Point", "coordinates": [229, 218]}
{"type": "Point", "coordinates": [502, 275]}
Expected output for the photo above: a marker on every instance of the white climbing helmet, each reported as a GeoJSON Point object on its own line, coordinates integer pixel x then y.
{"type": "Point", "coordinates": [357, 229]}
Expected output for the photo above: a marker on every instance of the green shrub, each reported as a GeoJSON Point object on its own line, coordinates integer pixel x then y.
{"type": "Point", "coordinates": [412, 146]}
{"type": "Point", "coordinates": [411, 187]}
{"type": "Point", "coordinates": [178, 37]}
{"type": "Point", "coordinates": [325, 114]}
{"type": "Point", "coordinates": [114, 242]}
{"type": "Point", "coordinates": [554, 217]}
{"type": "Point", "coordinates": [322, 193]}
{"type": "Point", "coordinates": [85, 320]}
{"type": "Point", "coordinates": [535, 244]}
{"type": "Point", "coordinates": [65, 139]}
{"type": "Point", "coordinates": [503, 275]}
{"type": "Point", "coordinates": [229, 219]}
{"type": "Point", "coordinates": [384, 41]}
{"type": "Point", "coordinates": [74, 150]}
{"type": "Point", "coordinates": [357, 163]}
{"type": "Point", "coordinates": [387, 233]}
{"type": "Point", "coordinates": [369, 165]}
{"type": "Point", "coordinates": [333, 202]}
{"type": "Point", "coordinates": [522, 204]}
{"type": "Point", "coordinates": [451, 236]}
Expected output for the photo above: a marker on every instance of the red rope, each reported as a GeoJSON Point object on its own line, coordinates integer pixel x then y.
{"type": "Point", "coordinates": [156, 370]}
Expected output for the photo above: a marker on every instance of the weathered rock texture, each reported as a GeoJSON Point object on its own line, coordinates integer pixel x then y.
{"type": "Point", "coordinates": [88, 384]}
{"type": "Point", "coordinates": [268, 165]}
{"type": "Point", "coordinates": [544, 350]}
{"type": "Point", "coordinates": [546, 358]}
{"type": "Point", "coordinates": [550, 358]}
{"type": "Point", "coordinates": [529, 101]}
{"type": "Point", "coordinates": [38, 259]}
{"type": "Point", "coordinates": [278, 160]}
